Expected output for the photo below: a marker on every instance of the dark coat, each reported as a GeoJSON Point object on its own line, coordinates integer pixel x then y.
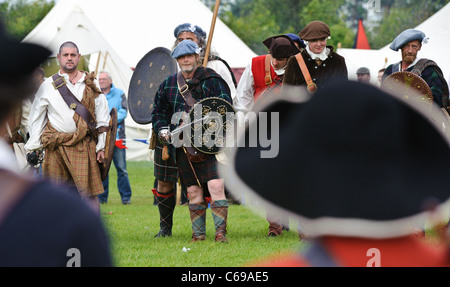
{"type": "Point", "coordinates": [168, 100]}
{"type": "Point", "coordinates": [333, 67]}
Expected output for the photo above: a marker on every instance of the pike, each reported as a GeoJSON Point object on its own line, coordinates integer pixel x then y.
{"type": "Point", "coordinates": [211, 32]}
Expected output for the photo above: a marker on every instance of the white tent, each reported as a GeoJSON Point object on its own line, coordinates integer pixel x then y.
{"type": "Point", "coordinates": [435, 28]}
{"type": "Point", "coordinates": [78, 28]}
{"type": "Point", "coordinates": [134, 27]}
{"type": "Point", "coordinates": [117, 34]}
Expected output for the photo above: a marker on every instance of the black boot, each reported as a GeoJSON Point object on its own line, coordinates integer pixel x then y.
{"type": "Point", "coordinates": [166, 205]}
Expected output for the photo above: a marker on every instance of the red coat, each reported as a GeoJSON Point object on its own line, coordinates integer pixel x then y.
{"type": "Point", "coordinates": [408, 251]}
{"type": "Point", "coordinates": [259, 75]}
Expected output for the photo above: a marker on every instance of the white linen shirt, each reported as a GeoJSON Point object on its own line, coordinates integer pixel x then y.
{"type": "Point", "coordinates": [49, 104]}
{"type": "Point", "coordinates": [245, 92]}
{"type": "Point", "coordinates": [220, 68]}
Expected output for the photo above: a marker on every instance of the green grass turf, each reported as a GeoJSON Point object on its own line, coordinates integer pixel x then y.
{"type": "Point", "coordinates": [132, 229]}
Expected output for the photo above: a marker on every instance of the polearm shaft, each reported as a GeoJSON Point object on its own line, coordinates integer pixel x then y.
{"type": "Point", "coordinates": [211, 33]}
{"type": "Point", "coordinates": [205, 62]}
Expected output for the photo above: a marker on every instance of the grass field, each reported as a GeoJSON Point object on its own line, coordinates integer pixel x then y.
{"type": "Point", "coordinates": [132, 229]}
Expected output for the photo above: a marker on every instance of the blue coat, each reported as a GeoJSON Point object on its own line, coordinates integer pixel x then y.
{"type": "Point", "coordinates": [116, 99]}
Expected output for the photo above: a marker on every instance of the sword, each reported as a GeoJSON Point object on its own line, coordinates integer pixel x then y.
{"type": "Point", "coordinates": [182, 128]}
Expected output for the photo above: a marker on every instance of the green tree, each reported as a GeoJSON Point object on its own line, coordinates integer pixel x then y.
{"type": "Point", "coordinates": [252, 25]}
{"type": "Point", "coordinates": [354, 10]}
{"type": "Point", "coordinates": [331, 13]}
{"type": "Point", "coordinates": [255, 20]}
{"type": "Point", "coordinates": [401, 15]}
{"type": "Point", "coordinates": [21, 16]}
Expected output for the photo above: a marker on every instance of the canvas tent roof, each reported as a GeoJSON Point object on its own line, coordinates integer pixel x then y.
{"type": "Point", "coordinates": [79, 29]}
{"type": "Point", "coordinates": [134, 27]}
{"type": "Point", "coordinates": [118, 34]}
{"type": "Point", "coordinates": [435, 29]}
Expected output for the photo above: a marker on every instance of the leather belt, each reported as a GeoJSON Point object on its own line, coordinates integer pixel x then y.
{"type": "Point", "coordinates": [310, 85]}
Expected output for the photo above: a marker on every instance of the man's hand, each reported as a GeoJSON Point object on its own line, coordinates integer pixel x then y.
{"type": "Point", "coordinates": [34, 158]}
{"type": "Point", "coordinates": [101, 156]}
{"type": "Point", "coordinates": [164, 136]}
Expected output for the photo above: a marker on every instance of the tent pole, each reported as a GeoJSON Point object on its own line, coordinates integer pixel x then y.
{"type": "Point", "coordinates": [104, 62]}
{"type": "Point", "coordinates": [98, 62]}
{"type": "Point", "coordinates": [211, 32]}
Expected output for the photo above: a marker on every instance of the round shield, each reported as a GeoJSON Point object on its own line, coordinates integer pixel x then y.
{"type": "Point", "coordinates": [148, 75]}
{"type": "Point", "coordinates": [410, 80]}
{"type": "Point", "coordinates": [212, 120]}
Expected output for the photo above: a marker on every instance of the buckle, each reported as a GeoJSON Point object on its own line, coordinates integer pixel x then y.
{"type": "Point", "coordinates": [312, 88]}
{"type": "Point", "coordinates": [57, 86]}
{"type": "Point", "coordinates": [183, 89]}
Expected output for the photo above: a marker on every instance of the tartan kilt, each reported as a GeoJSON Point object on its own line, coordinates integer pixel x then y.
{"type": "Point", "coordinates": [164, 170]}
{"type": "Point", "coordinates": [75, 164]}
{"type": "Point", "coordinates": [206, 170]}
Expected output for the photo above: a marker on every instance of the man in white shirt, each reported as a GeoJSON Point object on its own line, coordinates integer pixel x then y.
{"type": "Point", "coordinates": [263, 77]}
{"type": "Point", "coordinates": [71, 147]}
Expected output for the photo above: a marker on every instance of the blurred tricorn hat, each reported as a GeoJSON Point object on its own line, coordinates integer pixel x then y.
{"type": "Point", "coordinates": [18, 59]}
{"type": "Point", "coordinates": [353, 161]}
{"type": "Point", "coordinates": [281, 46]}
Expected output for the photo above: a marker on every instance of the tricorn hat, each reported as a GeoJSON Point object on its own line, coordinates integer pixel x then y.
{"type": "Point", "coordinates": [281, 46]}
{"type": "Point", "coordinates": [353, 160]}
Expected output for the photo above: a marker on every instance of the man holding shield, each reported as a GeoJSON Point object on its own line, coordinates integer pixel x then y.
{"type": "Point", "coordinates": [166, 171]}
{"type": "Point", "coordinates": [199, 83]}
{"type": "Point", "coordinates": [410, 43]}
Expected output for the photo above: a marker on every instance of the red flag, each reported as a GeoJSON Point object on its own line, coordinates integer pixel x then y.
{"type": "Point", "coordinates": [119, 144]}
{"type": "Point", "coordinates": [361, 41]}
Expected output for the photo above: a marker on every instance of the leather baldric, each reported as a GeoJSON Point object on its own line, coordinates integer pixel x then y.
{"type": "Point", "coordinates": [59, 83]}
{"type": "Point", "coordinates": [310, 85]}
{"type": "Point", "coordinates": [192, 154]}
{"type": "Point", "coordinates": [268, 77]}
{"type": "Point", "coordinates": [184, 90]}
